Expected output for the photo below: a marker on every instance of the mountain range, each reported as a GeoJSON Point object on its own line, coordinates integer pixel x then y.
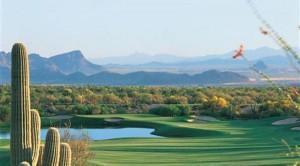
{"type": "Point", "coordinates": [274, 62]}
{"type": "Point", "coordinates": [143, 58]}
{"type": "Point", "coordinates": [66, 63]}
{"type": "Point", "coordinates": [73, 68]}
{"type": "Point", "coordinates": [142, 69]}
{"type": "Point", "coordinates": [156, 78]}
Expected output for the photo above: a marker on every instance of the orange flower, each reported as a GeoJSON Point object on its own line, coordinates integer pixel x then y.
{"type": "Point", "coordinates": [239, 52]}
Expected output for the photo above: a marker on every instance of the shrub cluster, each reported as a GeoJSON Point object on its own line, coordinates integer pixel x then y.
{"type": "Point", "coordinates": [228, 102]}
{"type": "Point", "coordinates": [171, 110]}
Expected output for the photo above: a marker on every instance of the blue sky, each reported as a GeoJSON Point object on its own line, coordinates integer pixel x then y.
{"type": "Point", "coordinates": [102, 28]}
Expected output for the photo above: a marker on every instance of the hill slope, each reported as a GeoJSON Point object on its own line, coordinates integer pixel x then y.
{"type": "Point", "coordinates": [156, 78]}
{"type": "Point", "coordinates": [66, 63]}
{"type": "Point", "coordinates": [74, 61]}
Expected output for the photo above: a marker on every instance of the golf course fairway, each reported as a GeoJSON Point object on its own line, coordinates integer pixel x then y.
{"type": "Point", "coordinates": [228, 142]}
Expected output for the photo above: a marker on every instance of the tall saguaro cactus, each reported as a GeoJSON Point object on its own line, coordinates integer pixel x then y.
{"type": "Point", "coordinates": [25, 123]}
{"type": "Point", "coordinates": [21, 145]}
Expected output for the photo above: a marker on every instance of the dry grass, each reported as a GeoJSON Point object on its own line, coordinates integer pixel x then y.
{"type": "Point", "coordinates": [79, 145]}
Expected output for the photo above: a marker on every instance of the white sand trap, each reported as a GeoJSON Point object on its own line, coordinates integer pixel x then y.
{"type": "Point", "coordinates": [114, 120]}
{"type": "Point", "coordinates": [190, 120]}
{"type": "Point", "coordinates": [207, 118]}
{"type": "Point", "coordinates": [296, 128]}
{"type": "Point", "coordinates": [60, 117]}
{"type": "Point", "coordinates": [286, 121]}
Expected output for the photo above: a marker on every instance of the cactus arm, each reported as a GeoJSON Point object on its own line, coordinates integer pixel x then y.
{"type": "Point", "coordinates": [41, 152]}
{"type": "Point", "coordinates": [52, 148]}
{"type": "Point", "coordinates": [65, 155]}
{"type": "Point", "coordinates": [36, 127]}
{"type": "Point", "coordinates": [24, 163]}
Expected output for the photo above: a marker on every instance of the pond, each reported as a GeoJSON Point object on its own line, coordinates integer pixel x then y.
{"type": "Point", "coordinates": [99, 134]}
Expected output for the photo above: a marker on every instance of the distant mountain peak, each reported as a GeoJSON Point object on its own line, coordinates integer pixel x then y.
{"type": "Point", "coordinates": [211, 71]}
{"type": "Point", "coordinates": [35, 55]}
{"type": "Point", "coordinates": [74, 61]}
{"type": "Point", "coordinates": [63, 64]}
{"type": "Point", "coordinates": [76, 53]}
{"type": "Point", "coordinates": [70, 55]}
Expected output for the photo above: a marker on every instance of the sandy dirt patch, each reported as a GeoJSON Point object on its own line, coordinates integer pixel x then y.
{"type": "Point", "coordinates": [114, 120]}
{"type": "Point", "coordinates": [190, 120]}
{"type": "Point", "coordinates": [286, 121]}
{"type": "Point", "coordinates": [60, 117]}
{"type": "Point", "coordinates": [296, 128]}
{"type": "Point", "coordinates": [207, 118]}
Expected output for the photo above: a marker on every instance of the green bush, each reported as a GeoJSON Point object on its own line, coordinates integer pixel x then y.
{"type": "Point", "coordinates": [171, 110]}
{"type": "Point", "coordinates": [185, 110]}
{"type": "Point", "coordinates": [81, 109]}
{"type": "Point", "coordinates": [4, 113]}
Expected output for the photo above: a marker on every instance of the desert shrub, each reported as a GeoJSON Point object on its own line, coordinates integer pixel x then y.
{"type": "Point", "coordinates": [4, 113]}
{"type": "Point", "coordinates": [228, 113]}
{"type": "Point", "coordinates": [184, 110]}
{"type": "Point", "coordinates": [81, 109]}
{"type": "Point", "coordinates": [171, 110]}
{"type": "Point", "coordinates": [94, 109]}
{"type": "Point", "coordinates": [121, 109]}
{"type": "Point", "coordinates": [107, 109]}
{"type": "Point", "coordinates": [272, 113]}
{"type": "Point", "coordinates": [176, 100]}
{"type": "Point", "coordinates": [79, 144]}
{"type": "Point", "coordinates": [87, 109]}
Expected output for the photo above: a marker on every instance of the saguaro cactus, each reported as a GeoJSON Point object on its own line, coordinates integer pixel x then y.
{"type": "Point", "coordinates": [26, 124]}
{"type": "Point", "coordinates": [65, 155]}
{"type": "Point", "coordinates": [41, 153]}
{"type": "Point", "coordinates": [21, 146]}
{"type": "Point", "coordinates": [52, 148]}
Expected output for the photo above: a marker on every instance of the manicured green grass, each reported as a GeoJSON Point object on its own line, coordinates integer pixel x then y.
{"type": "Point", "coordinates": [4, 155]}
{"type": "Point", "coordinates": [239, 142]}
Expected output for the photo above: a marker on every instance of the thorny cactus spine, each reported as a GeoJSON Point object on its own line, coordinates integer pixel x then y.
{"type": "Point", "coordinates": [65, 155]}
{"type": "Point", "coordinates": [21, 145]}
{"type": "Point", "coordinates": [52, 148]}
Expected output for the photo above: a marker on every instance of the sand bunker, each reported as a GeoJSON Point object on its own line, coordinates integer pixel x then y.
{"type": "Point", "coordinates": [286, 121]}
{"type": "Point", "coordinates": [296, 128]}
{"type": "Point", "coordinates": [190, 120]}
{"type": "Point", "coordinates": [60, 117]}
{"type": "Point", "coordinates": [207, 118]}
{"type": "Point", "coordinates": [114, 120]}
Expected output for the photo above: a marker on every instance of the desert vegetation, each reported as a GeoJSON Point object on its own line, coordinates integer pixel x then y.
{"type": "Point", "coordinates": [79, 145]}
{"type": "Point", "coordinates": [226, 102]}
